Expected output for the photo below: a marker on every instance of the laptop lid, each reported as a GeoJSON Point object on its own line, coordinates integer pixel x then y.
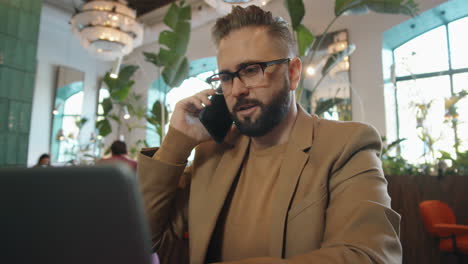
{"type": "Point", "coordinates": [72, 215]}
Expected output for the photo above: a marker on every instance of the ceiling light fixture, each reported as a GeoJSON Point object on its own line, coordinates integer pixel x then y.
{"type": "Point", "coordinates": [116, 68]}
{"type": "Point", "coordinates": [107, 28]}
{"type": "Point", "coordinates": [225, 6]}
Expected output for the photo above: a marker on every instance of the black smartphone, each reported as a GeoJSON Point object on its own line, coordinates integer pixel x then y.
{"type": "Point", "coordinates": [216, 118]}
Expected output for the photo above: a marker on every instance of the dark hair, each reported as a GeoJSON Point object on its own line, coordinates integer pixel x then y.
{"type": "Point", "coordinates": [43, 156]}
{"type": "Point", "coordinates": [253, 15]}
{"type": "Point", "coordinates": [118, 148]}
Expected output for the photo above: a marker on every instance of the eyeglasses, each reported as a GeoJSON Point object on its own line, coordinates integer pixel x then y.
{"type": "Point", "coordinates": [250, 74]}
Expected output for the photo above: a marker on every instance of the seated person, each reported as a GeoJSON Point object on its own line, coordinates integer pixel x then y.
{"type": "Point", "coordinates": [43, 161]}
{"type": "Point", "coordinates": [119, 154]}
{"type": "Point", "coordinates": [284, 186]}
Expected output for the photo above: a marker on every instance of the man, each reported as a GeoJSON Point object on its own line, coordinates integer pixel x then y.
{"type": "Point", "coordinates": [284, 187]}
{"type": "Point", "coordinates": [119, 155]}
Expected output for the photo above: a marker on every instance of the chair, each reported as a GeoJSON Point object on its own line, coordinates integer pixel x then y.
{"type": "Point", "coordinates": [439, 220]}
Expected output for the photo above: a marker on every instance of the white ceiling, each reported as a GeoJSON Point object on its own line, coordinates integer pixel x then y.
{"type": "Point", "coordinates": [66, 5]}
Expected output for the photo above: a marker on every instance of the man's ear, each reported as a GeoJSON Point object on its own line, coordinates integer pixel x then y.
{"type": "Point", "coordinates": [295, 70]}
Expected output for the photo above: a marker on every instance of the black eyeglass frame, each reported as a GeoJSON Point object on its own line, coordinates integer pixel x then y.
{"type": "Point", "coordinates": [235, 74]}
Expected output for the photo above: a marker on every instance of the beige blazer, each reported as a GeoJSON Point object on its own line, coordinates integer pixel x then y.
{"type": "Point", "coordinates": [330, 206]}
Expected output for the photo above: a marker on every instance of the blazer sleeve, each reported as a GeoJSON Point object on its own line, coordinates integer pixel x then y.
{"type": "Point", "coordinates": [166, 205]}
{"type": "Point", "coordinates": [360, 225]}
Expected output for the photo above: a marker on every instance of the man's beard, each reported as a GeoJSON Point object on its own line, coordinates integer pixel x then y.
{"type": "Point", "coordinates": [270, 116]}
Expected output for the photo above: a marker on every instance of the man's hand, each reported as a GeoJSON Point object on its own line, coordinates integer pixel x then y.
{"type": "Point", "coordinates": [185, 116]}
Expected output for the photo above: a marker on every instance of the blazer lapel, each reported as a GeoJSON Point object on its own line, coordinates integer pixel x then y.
{"type": "Point", "coordinates": [293, 163]}
{"type": "Point", "coordinates": [202, 226]}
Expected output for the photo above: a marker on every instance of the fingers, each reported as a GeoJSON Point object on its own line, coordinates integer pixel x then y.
{"type": "Point", "coordinates": [196, 102]}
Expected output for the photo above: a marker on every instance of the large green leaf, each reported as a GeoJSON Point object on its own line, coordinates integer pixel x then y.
{"type": "Point", "coordinates": [351, 7]}
{"type": "Point", "coordinates": [156, 111]}
{"type": "Point", "coordinates": [336, 58]}
{"type": "Point", "coordinates": [106, 106]}
{"type": "Point", "coordinates": [104, 127]}
{"type": "Point", "coordinates": [122, 93]}
{"type": "Point", "coordinates": [176, 72]}
{"type": "Point", "coordinates": [119, 88]}
{"type": "Point", "coordinates": [296, 12]}
{"type": "Point", "coordinates": [176, 13]}
{"type": "Point", "coordinates": [176, 40]}
{"type": "Point", "coordinates": [153, 58]}
{"type": "Point", "coordinates": [305, 39]}
{"type": "Point", "coordinates": [174, 43]}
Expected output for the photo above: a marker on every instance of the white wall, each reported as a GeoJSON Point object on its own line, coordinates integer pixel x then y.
{"type": "Point", "coordinates": [57, 46]}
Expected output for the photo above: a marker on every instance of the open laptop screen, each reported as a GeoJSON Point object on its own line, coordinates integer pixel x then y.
{"type": "Point", "coordinates": [72, 215]}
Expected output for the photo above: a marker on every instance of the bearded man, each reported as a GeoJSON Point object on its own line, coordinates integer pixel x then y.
{"type": "Point", "coordinates": [284, 186]}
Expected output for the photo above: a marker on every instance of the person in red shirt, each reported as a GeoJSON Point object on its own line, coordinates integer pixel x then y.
{"type": "Point", "coordinates": [119, 154]}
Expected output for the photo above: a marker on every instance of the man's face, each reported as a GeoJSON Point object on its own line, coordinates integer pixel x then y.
{"type": "Point", "coordinates": [257, 109]}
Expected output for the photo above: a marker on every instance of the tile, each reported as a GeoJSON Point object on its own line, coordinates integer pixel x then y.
{"type": "Point", "coordinates": [24, 118]}
{"type": "Point", "coordinates": [3, 17]}
{"type": "Point", "coordinates": [26, 5]}
{"type": "Point", "coordinates": [3, 140]}
{"type": "Point", "coordinates": [15, 84]}
{"type": "Point", "coordinates": [12, 25]}
{"type": "Point", "coordinates": [28, 87]}
{"type": "Point", "coordinates": [3, 116]}
{"type": "Point", "coordinates": [20, 55]}
{"type": "Point", "coordinates": [36, 7]}
{"type": "Point", "coordinates": [15, 3]}
{"type": "Point", "coordinates": [23, 25]}
{"type": "Point", "coordinates": [5, 82]}
{"type": "Point", "coordinates": [10, 49]}
{"type": "Point", "coordinates": [3, 89]}
{"type": "Point", "coordinates": [13, 115]}
{"type": "Point", "coordinates": [22, 153]}
{"type": "Point", "coordinates": [30, 56]}
{"type": "Point", "coordinates": [11, 147]}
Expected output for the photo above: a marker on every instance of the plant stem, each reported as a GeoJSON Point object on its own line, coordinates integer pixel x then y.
{"type": "Point", "coordinates": [308, 59]}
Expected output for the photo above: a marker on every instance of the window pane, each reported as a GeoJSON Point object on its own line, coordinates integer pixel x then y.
{"type": "Point", "coordinates": [67, 149]}
{"type": "Point", "coordinates": [459, 42]}
{"type": "Point", "coordinates": [425, 53]}
{"type": "Point", "coordinates": [103, 94]}
{"type": "Point", "coordinates": [73, 104]}
{"type": "Point", "coordinates": [460, 82]}
{"type": "Point", "coordinates": [432, 93]}
{"type": "Point", "coordinates": [188, 88]}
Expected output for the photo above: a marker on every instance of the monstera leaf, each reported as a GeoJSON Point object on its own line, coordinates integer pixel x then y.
{"type": "Point", "coordinates": [352, 7]}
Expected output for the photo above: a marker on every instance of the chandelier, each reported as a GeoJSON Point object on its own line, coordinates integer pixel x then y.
{"type": "Point", "coordinates": [107, 28]}
{"type": "Point", "coordinates": [225, 6]}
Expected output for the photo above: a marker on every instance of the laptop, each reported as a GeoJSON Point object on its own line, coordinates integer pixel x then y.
{"type": "Point", "coordinates": [71, 215]}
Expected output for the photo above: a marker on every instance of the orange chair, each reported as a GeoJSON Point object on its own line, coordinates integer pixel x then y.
{"type": "Point", "coordinates": [439, 220]}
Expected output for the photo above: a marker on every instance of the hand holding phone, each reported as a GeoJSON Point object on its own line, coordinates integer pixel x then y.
{"type": "Point", "coordinates": [216, 118]}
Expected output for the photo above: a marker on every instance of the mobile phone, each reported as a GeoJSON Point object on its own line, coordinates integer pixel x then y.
{"type": "Point", "coordinates": [216, 118]}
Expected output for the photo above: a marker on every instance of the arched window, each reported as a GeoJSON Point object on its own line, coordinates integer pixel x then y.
{"type": "Point", "coordinates": [430, 73]}
{"type": "Point", "coordinates": [199, 70]}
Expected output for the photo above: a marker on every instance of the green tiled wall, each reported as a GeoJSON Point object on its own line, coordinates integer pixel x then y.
{"type": "Point", "coordinates": [19, 31]}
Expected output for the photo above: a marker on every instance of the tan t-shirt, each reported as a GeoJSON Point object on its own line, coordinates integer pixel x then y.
{"type": "Point", "coordinates": [245, 232]}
